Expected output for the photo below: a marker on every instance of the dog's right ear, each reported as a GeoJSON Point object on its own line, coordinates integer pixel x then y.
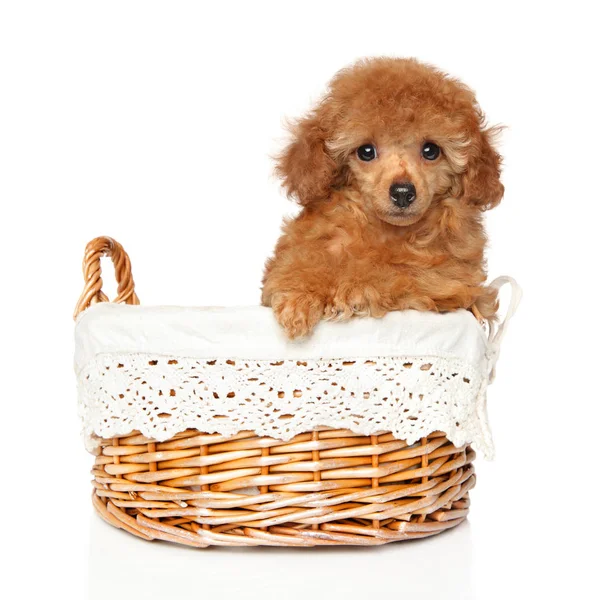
{"type": "Point", "coordinates": [305, 167]}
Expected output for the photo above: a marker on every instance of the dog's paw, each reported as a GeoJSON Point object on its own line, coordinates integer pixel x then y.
{"type": "Point", "coordinates": [354, 301]}
{"type": "Point", "coordinates": [297, 313]}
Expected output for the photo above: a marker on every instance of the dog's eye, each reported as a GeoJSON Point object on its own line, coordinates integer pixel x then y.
{"type": "Point", "coordinates": [367, 152]}
{"type": "Point", "coordinates": [430, 151]}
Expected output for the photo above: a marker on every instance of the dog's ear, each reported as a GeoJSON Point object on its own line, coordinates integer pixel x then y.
{"type": "Point", "coordinates": [306, 169]}
{"type": "Point", "coordinates": [481, 182]}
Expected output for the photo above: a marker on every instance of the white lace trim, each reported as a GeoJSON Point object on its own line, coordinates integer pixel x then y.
{"type": "Point", "coordinates": [160, 395]}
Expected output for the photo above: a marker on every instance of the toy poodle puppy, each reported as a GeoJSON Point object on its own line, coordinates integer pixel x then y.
{"type": "Point", "coordinates": [393, 169]}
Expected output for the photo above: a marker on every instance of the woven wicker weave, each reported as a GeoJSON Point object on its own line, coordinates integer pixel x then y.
{"type": "Point", "coordinates": [326, 487]}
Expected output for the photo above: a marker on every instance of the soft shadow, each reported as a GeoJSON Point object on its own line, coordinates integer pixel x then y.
{"type": "Point", "coordinates": [123, 566]}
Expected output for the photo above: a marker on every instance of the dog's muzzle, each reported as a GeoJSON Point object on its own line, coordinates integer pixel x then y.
{"type": "Point", "coordinates": [402, 193]}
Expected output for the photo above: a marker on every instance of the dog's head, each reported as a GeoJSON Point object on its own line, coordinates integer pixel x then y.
{"type": "Point", "coordinates": [401, 133]}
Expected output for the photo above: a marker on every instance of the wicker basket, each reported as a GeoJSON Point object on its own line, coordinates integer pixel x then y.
{"type": "Point", "coordinates": [325, 487]}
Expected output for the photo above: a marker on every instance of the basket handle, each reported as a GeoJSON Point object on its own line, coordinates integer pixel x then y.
{"type": "Point", "coordinates": [91, 268]}
{"type": "Point", "coordinates": [498, 331]}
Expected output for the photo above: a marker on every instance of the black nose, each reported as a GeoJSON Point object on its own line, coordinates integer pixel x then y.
{"type": "Point", "coordinates": [402, 193]}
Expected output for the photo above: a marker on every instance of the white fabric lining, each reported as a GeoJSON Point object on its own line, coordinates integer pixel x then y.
{"type": "Point", "coordinates": [252, 332]}
{"type": "Point", "coordinates": [161, 370]}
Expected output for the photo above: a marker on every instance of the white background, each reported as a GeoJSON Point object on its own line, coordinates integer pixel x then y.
{"type": "Point", "coordinates": [153, 122]}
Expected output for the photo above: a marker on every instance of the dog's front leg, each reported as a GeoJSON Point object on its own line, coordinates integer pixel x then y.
{"type": "Point", "coordinates": [357, 297]}
{"type": "Point", "coordinates": [297, 311]}
{"type": "Point", "coordinates": [297, 293]}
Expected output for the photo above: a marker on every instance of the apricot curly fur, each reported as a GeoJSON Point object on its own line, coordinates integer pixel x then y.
{"type": "Point", "coordinates": [351, 251]}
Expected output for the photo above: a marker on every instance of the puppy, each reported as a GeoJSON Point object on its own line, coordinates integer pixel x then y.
{"type": "Point", "coordinates": [393, 169]}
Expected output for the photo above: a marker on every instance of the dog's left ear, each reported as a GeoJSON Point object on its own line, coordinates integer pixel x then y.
{"type": "Point", "coordinates": [481, 182]}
